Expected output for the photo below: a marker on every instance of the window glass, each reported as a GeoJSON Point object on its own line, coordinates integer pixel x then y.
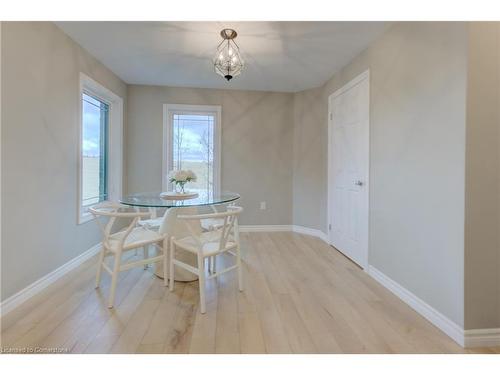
{"type": "Point", "coordinates": [95, 120]}
{"type": "Point", "coordinates": [193, 148]}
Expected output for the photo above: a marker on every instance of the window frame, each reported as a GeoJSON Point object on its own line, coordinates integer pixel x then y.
{"type": "Point", "coordinates": [168, 111]}
{"type": "Point", "coordinates": [114, 146]}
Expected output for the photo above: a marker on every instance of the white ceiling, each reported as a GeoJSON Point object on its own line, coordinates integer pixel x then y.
{"type": "Point", "coordinates": [279, 56]}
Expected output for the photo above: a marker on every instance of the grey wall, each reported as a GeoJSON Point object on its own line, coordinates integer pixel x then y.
{"type": "Point", "coordinates": [417, 152]}
{"type": "Point", "coordinates": [257, 136]}
{"type": "Point", "coordinates": [40, 99]}
{"type": "Point", "coordinates": [482, 178]}
{"type": "Point", "coordinates": [310, 159]}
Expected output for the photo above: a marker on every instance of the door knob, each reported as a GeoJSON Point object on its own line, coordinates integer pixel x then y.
{"type": "Point", "coordinates": [359, 183]}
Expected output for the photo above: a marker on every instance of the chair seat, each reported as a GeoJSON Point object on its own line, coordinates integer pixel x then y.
{"type": "Point", "coordinates": [211, 224]}
{"type": "Point", "coordinates": [150, 223]}
{"type": "Point", "coordinates": [210, 243]}
{"type": "Point", "coordinates": [138, 237]}
{"type": "Point", "coordinates": [206, 224]}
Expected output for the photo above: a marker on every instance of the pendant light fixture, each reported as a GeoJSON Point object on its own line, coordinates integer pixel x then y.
{"type": "Point", "coordinates": [227, 61]}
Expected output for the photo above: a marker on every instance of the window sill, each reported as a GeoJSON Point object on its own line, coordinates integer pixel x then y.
{"type": "Point", "coordinates": [85, 218]}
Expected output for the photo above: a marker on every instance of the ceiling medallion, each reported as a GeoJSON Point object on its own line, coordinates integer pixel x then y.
{"type": "Point", "coordinates": [227, 61]}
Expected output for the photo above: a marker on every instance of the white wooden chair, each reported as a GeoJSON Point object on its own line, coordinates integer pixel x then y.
{"type": "Point", "coordinates": [132, 237]}
{"type": "Point", "coordinates": [213, 224]}
{"type": "Point", "coordinates": [207, 225]}
{"type": "Point", "coordinates": [206, 245]}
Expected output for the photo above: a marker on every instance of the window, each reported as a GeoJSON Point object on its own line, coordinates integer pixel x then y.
{"type": "Point", "coordinates": [192, 141]}
{"type": "Point", "coordinates": [100, 151]}
{"type": "Point", "coordinates": [95, 122]}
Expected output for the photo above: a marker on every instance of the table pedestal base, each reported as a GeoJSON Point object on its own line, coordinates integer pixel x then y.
{"type": "Point", "coordinates": [176, 228]}
{"type": "Point", "coordinates": [180, 274]}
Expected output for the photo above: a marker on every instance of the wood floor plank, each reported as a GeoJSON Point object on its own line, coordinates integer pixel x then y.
{"type": "Point", "coordinates": [366, 289]}
{"type": "Point", "coordinates": [251, 337]}
{"type": "Point", "coordinates": [319, 292]}
{"type": "Point", "coordinates": [273, 331]}
{"type": "Point", "coordinates": [30, 314]}
{"type": "Point", "coordinates": [85, 312]}
{"type": "Point", "coordinates": [357, 307]}
{"type": "Point", "coordinates": [150, 349]}
{"type": "Point", "coordinates": [350, 286]}
{"type": "Point", "coordinates": [179, 335]}
{"type": "Point", "coordinates": [64, 310]}
{"type": "Point", "coordinates": [249, 324]}
{"type": "Point", "coordinates": [309, 289]}
{"type": "Point", "coordinates": [120, 317]}
{"type": "Point", "coordinates": [163, 318]}
{"type": "Point", "coordinates": [335, 302]}
{"type": "Point", "coordinates": [227, 336]}
{"type": "Point", "coordinates": [93, 323]}
{"type": "Point", "coordinates": [299, 338]}
{"type": "Point", "coordinates": [331, 335]}
{"type": "Point", "coordinates": [134, 331]}
{"type": "Point", "coordinates": [44, 297]}
{"type": "Point", "coordinates": [205, 325]}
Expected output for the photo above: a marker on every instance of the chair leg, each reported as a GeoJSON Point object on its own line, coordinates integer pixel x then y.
{"type": "Point", "coordinates": [240, 270]}
{"type": "Point", "coordinates": [146, 255]}
{"type": "Point", "coordinates": [211, 264]}
{"type": "Point", "coordinates": [201, 276]}
{"type": "Point", "coordinates": [172, 269]}
{"type": "Point", "coordinates": [114, 279]}
{"type": "Point", "coordinates": [165, 262]}
{"type": "Point", "coordinates": [99, 267]}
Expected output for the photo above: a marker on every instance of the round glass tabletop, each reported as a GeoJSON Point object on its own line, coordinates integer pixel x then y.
{"type": "Point", "coordinates": [153, 199]}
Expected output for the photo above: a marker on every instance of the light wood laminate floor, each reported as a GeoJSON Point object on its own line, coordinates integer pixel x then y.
{"type": "Point", "coordinates": [301, 296]}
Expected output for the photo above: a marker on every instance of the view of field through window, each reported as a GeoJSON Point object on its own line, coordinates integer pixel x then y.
{"type": "Point", "coordinates": [94, 150]}
{"type": "Point", "coordinates": [193, 148]}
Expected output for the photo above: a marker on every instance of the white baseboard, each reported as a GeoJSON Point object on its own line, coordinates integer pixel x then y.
{"type": "Point", "coordinates": [482, 337]}
{"type": "Point", "coordinates": [428, 312]}
{"type": "Point", "coordinates": [311, 232]}
{"type": "Point", "coordinates": [17, 299]}
{"type": "Point", "coordinates": [285, 228]}
{"type": "Point", "coordinates": [266, 228]}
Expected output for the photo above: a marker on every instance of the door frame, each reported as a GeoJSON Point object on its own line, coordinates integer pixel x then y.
{"type": "Point", "coordinates": [353, 82]}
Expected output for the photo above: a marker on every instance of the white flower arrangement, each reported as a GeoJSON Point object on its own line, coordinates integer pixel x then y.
{"type": "Point", "coordinates": [181, 177]}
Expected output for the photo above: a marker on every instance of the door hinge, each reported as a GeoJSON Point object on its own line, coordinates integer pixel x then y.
{"type": "Point", "coordinates": [329, 226]}
{"type": "Point", "coordinates": [331, 116]}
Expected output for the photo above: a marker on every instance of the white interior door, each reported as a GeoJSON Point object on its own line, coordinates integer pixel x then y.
{"type": "Point", "coordinates": [348, 167]}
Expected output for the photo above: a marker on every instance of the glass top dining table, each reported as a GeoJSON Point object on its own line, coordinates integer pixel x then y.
{"type": "Point", "coordinates": [153, 199]}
